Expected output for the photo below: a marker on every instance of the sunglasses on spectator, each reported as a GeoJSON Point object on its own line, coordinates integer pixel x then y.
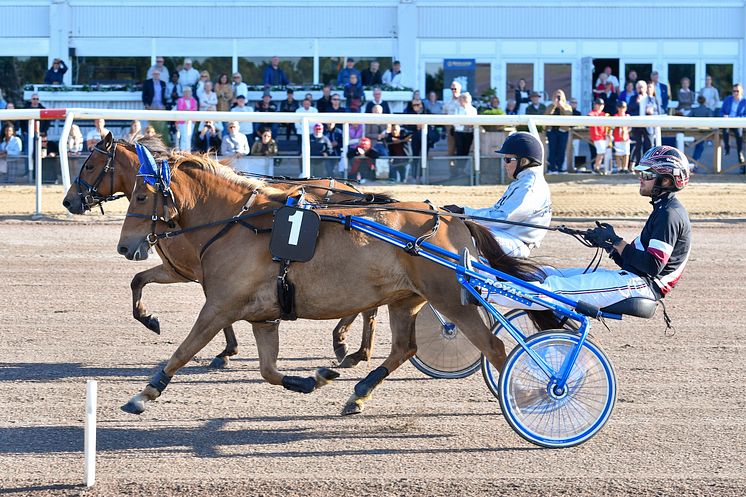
{"type": "Point", "coordinates": [508, 160]}
{"type": "Point", "coordinates": [335, 100]}
{"type": "Point", "coordinates": [454, 88]}
{"type": "Point", "coordinates": [34, 99]}
{"type": "Point", "coordinates": [647, 176]}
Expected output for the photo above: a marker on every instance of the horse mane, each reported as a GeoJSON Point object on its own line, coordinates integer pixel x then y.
{"type": "Point", "coordinates": [154, 144]}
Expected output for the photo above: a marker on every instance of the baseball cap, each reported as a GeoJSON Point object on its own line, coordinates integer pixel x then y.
{"type": "Point", "coordinates": [318, 126]}
{"type": "Point", "coordinates": [599, 101]}
{"type": "Point", "coordinates": [534, 94]}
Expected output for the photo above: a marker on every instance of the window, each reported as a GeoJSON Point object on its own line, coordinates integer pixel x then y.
{"type": "Point", "coordinates": [19, 71]}
{"type": "Point", "coordinates": [675, 74]}
{"type": "Point", "coordinates": [722, 77]}
{"type": "Point", "coordinates": [484, 78]}
{"type": "Point", "coordinates": [299, 70]}
{"type": "Point", "coordinates": [214, 65]}
{"type": "Point", "coordinates": [516, 72]}
{"type": "Point", "coordinates": [557, 77]}
{"type": "Point", "coordinates": [329, 67]}
{"type": "Point", "coordinates": [110, 70]}
{"type": "Point", "coordinates": [434, 79]}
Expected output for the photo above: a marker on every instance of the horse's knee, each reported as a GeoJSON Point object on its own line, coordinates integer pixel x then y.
{"type": "Point", "coordinates": [137, 282]}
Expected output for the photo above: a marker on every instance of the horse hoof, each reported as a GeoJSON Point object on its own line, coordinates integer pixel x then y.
{"type": "Point", "coordinates": [219, 363]}
{"type": "Point", "coordinates": [349, 362]}
{"type": "Point", "coordinates": [341, 352]}
{"type": "Point", "coordinates": [153, 324]}
{"type": "Point", "coordinates": [352, 408]}
{"type": "Point", "coordinates": [325, 376]}
{"type": "Point", "coordinates": [134, 407]}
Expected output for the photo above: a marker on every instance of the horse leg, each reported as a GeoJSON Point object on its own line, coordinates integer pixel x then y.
{"type": "Point", "coordinates": [366, 343]}
{"type": "Point", "coordinates": [231, 348]}
{"type": "Point", "coordinates": [157, 274]}
{"type": "Point", "coordinates": [402, 316]}
{"type": "Point", "coordinates": [339, 337]}
{"type": "Point", "coordinates": [268, 345]}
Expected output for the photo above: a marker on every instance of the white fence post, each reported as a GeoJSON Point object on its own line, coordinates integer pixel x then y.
{"type": "Point", "coordinates": [30, 145]}
{"type": "Point", "coordinates": [477, 156]}
{"type": "Point", "coordinates": [37, 160]}
{"type": "Point", "coordinates": [345, 146]}
{"type": "Point", "coordinates": [89, 437]}
{"type": "Point", "coordinates": [423, 154]}
{"type": "Point", "coordinates": [64, 160]}
{"type": "Point", "coordinates": [305, 149]}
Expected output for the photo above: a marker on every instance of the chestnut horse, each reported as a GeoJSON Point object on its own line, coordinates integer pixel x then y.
{"type": "Point", "coordinates": [349, 273]}
{"type": "Point", "coordinates": [111, 171]}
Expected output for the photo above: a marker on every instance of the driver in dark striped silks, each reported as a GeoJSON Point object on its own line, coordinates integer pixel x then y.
{"type": "Point", "coordinates": [651, 265]}
{"type": "Point", "coordinates": [527, 199]}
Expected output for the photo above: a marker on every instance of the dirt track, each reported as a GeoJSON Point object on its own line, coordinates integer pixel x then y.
{"type": "Point", "coordinates": [679, 427]}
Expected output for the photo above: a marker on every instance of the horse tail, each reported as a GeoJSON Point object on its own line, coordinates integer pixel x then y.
{"type": "Point", "coordinates": [520, 268]}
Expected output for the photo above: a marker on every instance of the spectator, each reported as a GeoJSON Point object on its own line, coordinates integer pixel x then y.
{"type": "Point", "coordinates": [134, 133]}
{"type": "Point", "coordinates": [610, 99]}
{"type": "Point", "coordinates": [3, 103]}
{"type": "Point", "coordinates": [452, 108]}
{"type": "Point", "coordinates": [600, 87]}
{"type": "Point", "coordinates": [224, 91]}
{"type": "Point", "coordinates": [432, 104]}
{"type": "Point", "coordinates": [686, 97]}
{"type": "Point", "coordinates": [398, 142]}
{"type": "Point", "coordinates": [632, 78]}
{"type": "Point", "coordinates": [150, 132]}
{"type": "Point", "coordinates": [392, 77]}
{"type": "Point", "coordinates": [463, 133]}
{"type": "Point", "coordinates": [322, 147]}
{"type": "Point", "coordinates": [204, 77]}
{"type": "Point", "coordinates": [174, 91]}
{"type": "Point", "coordinates": [599, 135]}
{"type": "Point", "coordinates": [188, 76]}
{"type": "Point", "coordinates": [621, 140]}
{"type": "Point", "coordinates": [305, 108]}
{"type": "Point", "coordinates": [309, 97]}
{"type": "Point", "coordinates": [273, 75]}
{"type": "Point", "coordinates": [662, 91]}
{"type": "Point", "coordinates": [511, 107]}
{"type": "Point", "coordinates": [522, 96]}
{"type": "Point", "coordinates": [372, 75]}
{"type": "Point", "coordinates": [495, 105]}
{"type": "Point", "coordinates": [239, 87]}
{"type": "Point", "coordinates": [11, 145]}
{"type": "Point", "coordinates": [628, 92]}
{"type": "Point", "coordinates": [208, 139]}
{"type": "Point", "coordinates": [638, 106]}
{"type": "Point", "coordinates": [186, 128]}
{"type": "Point", "coordinates": [234, 143]}
{"type": "Point", "coordinates": [558, 135]}
{"type": "Point", "coordinates": [324, 103]}
{"type": "Point", "coordinates": [353, 93]}
{"type": "Point", "coordinates": [161, 68]}
{"type": "Point", "coordinates": [35, 103]}
{"type": "Point", "coordinates": [610, 78]}
{"type": "Point", "coordinates": [245, 127]}
{"type": "Point", "coordinates": [700, 111]}
{"type": "Point", "coordinates": [376, 134]}
{"type": "Point", "coordinates": [734, 105]}
{"type": "Point", "coordinates": [55, 73]}
{"type": "Point", "coordinates": [711, 94]}
{"type": "Point", "coordinates": [265, 146]}
{"type": "Point", "coordinates": [357, 131]}
{"type": "Point", "coordinates": [97, 134]}
{"type": "Point", "coordinates": [574, 107]}
{"type": "Point", "coordinates": [154, 92]}
{"type": "Point", "coordinates": [334, 134]}
{"type": "Point", "coordinates": [209, 99]}
{"type": "Point", "coordinates": [290, 104]}
{"type": "Point", "coordinates": [17, 125]}
{"type": "Point", "coordinates": [265, 105]}
{"type": "Point", "coordinates": [433, 135]}
{"type": "Point", "coordinates": [344, 75]}
{"type": "Point", "coordinates": [377, 100]}
{"type": "Point", "coordinates": [536, 108]}
{"type": "Point", "coordinates": [362, 161]}
{"type": "Point", "coordinates": [75, 140]}
{"type": "Point", "coordinates": [336, 104]}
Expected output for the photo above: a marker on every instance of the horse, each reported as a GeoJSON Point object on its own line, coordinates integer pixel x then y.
{"type": "Point", "coordinates": [110, 171]}
{"type": "Point", "coordinates": [196, 193]}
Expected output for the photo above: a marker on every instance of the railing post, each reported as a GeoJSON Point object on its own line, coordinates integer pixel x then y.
{"type": "Point", "coordinates": [658, 137]}
{"type": "Point", "coordinates": [305, 149]}
{"type": "Point", "coordinates": [30, 132]}
{"type": "Point", "coordinates": [345, 146]}
{"type": "Point", "coordinates": [64, 160]}
{"type": "Point", "coordinates": [37, 157]}
{"type": "Point", "coordinates": [477, 156]}
{"type": "Point", "coordinates": [423, 155]}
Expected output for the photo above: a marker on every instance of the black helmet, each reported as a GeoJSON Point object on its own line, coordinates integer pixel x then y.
{"type": "Point", "coordinates": [665, 161]}
{"type": "Point", "coordinates": [523, 145]}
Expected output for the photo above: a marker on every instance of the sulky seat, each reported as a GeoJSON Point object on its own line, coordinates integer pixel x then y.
{"type": "Point", "coordinates": [634, 306]}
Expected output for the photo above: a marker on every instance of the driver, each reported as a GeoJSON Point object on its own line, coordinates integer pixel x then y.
{"type": "Point", "coordinates": [527, 199]}
{"type": "Point", "coordinates": [651, 265]}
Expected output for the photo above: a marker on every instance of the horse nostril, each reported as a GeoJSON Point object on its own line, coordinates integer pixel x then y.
{"type": "Point", "coordinates": [66, 203]}
{"type": "Point", "coordinates": [122, 250]}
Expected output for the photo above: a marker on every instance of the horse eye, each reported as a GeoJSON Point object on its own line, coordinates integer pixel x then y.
{"type": "Point", "coordinates": [89, 167]}
{"type": "Point", "coordinates": [141, 198]}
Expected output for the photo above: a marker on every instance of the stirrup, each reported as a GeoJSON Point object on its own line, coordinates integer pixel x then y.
{"type": "Point", "coordinates": [466, 297]}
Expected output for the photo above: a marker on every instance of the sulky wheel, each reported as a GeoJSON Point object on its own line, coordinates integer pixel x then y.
{"type": "Point", "coordinates": [546, 415]}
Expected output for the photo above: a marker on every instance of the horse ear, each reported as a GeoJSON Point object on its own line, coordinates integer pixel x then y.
{"type": "Point", "coordinates": [108, 141]}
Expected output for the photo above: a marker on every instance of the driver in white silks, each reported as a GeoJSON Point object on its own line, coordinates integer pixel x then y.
{"type": "Point", "coordinates": [526, 201]}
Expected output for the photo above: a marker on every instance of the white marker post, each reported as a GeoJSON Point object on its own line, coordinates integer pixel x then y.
{"type": "Point", "coordinates": [89, 450]}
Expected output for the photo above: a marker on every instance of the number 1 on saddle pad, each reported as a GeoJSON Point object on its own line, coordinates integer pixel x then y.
{"type": "Point", "coordinates": [294, 234]}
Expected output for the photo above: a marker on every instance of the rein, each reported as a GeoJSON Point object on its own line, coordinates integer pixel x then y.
{"type": "Point", "coordinates": [88, 193]}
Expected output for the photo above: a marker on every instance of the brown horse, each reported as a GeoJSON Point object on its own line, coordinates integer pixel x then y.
{"type": "Point", "coordinates": [111, 170]}
{"type": "Point", "coordinates": [377, 273]}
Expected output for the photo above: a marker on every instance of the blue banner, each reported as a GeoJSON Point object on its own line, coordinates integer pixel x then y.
{"type": "Point", "coordinates": [462, 70]}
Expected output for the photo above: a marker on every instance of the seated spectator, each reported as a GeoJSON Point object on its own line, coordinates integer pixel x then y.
{"type": "Point", "coordinates": [398, 141]}
{"type": "Point", "coordinates": [75, 140]}
{"type": "Point", "coordinates": [289, 105]}
{"type": "Point", "coordinates": [265, 105]}
{"type": "Point", "coordinates": [377, 100]}
{"type": "Point", "coordinates": [432, 104]}
{"type": "Point", "coordinates": [150, 132]}
{"type": "Point", "coordinates": [334, 134]}
{"type": "Point", "coordinates": [224, 91]}
{"type": "Point", "coordinates": [239, 87]}
{"type": "Point", "coordinates": [324, 103]}
{"type": "Point", "coordinates": [336, 104]}
{"type": "Point", "coordinates": [495, 105]}
{"type": "Point", "coordinates": [35, 103]}
{"type": "Point", "coordinates": [372, 75]}
{"type": "Point", "coordinates": [97, 134]}
{"type": "Point", "coordinates": [208, 139]}
{"type": "Point", "coordinates": [536, 107]}
{"type": "Point", "coordinates": [599, 135]}
{"type": "Point", "coordinates": [49, 148]}
{"type": "Point", "coordinates": [134, 133]}
{"type": "Point", "coordinates": [245, 127]}
{"type": "Point", "coordinates": [234, 143]}
{"type": "Point", "coordinates": [686, 97]}
{"type": "Point", "coordinates": [700, 110]}
{"type": "Point", "coordinates": [344, 75]}
{"type": "Point", "coordinates": [628, 93]}
{"type": "Point", "coordinates": [161, 68]}
{"type": "Point", "coordinates": [174, 91]}
{"type": "Point", "coordinates": [621, 140]}
{"type": "Point", "coordinates": [11, 145]}
{"type": "Point", "coordinates": [56, 72]}
{"type": "Point", "coordinates": [362, 161]}
{"type": "Point", "coordinates": [392, 77]}
{"type": "Point", "coordinates": [273, 75]}
{"type": "Point", "coordinates": [188, 76]}
{"type": "Point", "coordinates": [305, 108]}
{"type": "Point", "coordinates": [511, 108]}
{"type": "Point", "coordinates": [353, 93]}
{"type": "Point", "coordinates": [186, 128]}
{"type": "Point", "coordinates": [154, 92]}
{"type": "Point", "coordinates": [265, 145]}
{"type": "Point", "coordinates": [376, 134]}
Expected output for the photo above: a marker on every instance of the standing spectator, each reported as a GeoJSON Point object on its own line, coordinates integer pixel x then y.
{"type": "Point", "coordinates": [35, 103]}
{"type": "Point", "coordinates": [574, 107]}
{"type": "Point", "coordinates": [353, 94]}
{"type": "Point", "coordinates": [357, 131]}
{"type": "Point", "coordinates": [324, 103]}
{"type": "Point", "coordinates": [174, 91]}
{"type": "Point", "coordinates": [186, 128]}
{"type": "Point", "coordinates": [344, 75]}
{"type": "Point", "coordinates": [628, 92]}
{"type": "Point", "coordinates": [372, 75]}
{"type": "Point", "coordinates": [188, 76]}
{"type": "Point", "coordinates": [463, 133]}
{"type": "Point", "coordinates": [662, 91]}
{"type": "Point", "coordinates": [239, 87]}
{"type": "Point", "coordinates": [273, 75]}
{"type": "Point", "coordinates": [55, 73]}
{"type": "Point", "coordinates": [75, 140]}
{"type": "Point", "coordinates": [290, 104]}
{"type": "Point", "coordinates": [621, 140]}
{"type": "Point", "coordinates": [265, 105]}
{"type": "Point", "coordinates": [204, 77]}
{"type": "Point", "coordinates": [600, 87]}
{"type": "Point", "coordinates": [322, 147]}
{"type": "Point", "coordinates": [610, 78]}
{"type": "Point", "coordinates": [610, 99]}
{"type": "Point", "coordinates": [495, 105]}
{"type": "Point", "coordinates": [392, 77]}
{"type": "Point", "coordinates": [511, 108]}
{"type": "Point", "coordinates": [305, 108]}
{"type": "Point", "coordinates": [209, 99]}
{"type": "Point", "coordinates": [638, 106]}
{"type": "Point", "coordinates": [686, 97]}
{"type": "Point", "coordinates": [376, 134]}
{"type": "Point", "coordinates": [452, 108]}
{"type": "Point", "coordinates": [334, 134]}
{"type": "Point", "coordinates": [224, 91]}
{"type": "Point", "coordinates": [700, 111]}
{"type": "Point", "coordinates": [599, 135]}
{"type": "Point", "coordinates": [134, 133]}
{"type": "Point", "coordinates": [97, 134]}
{"type": "Point", "coordinates": [432, 104]}
{"type": "Point", "coordinates": [362, 161]}
{"type": "Point", "coordinates": [632, 78]}
{"type": "Point", "coordinates": [711, 94]}
{"type": "Point", "coordinates": [558, 135]}
{"type": "Point", "coordinates": [433, 135]}
{"type": "Point", "coordinates": [154, 92]}
{"type": "Point", "coordinates": [245, 127]}
{"type": "Point", "coordinates": [234, 143]}
{"type": "Point", "coordinates": [398, 142]}
{"type": "Point", "coordinates": [536, 108]}
{"type": "Point", "coordinates": [734, 105]}
{"type": "Point", "coordinates": [377, 100]}
{"type": "Point", "coordinates": [522, 96]}
{"type": "Point", "coordinates": [161, 68]}
{"type": "Point", "coordinates": [266, 145]}
{"type": "Point", "coordinates": [208, 139]}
